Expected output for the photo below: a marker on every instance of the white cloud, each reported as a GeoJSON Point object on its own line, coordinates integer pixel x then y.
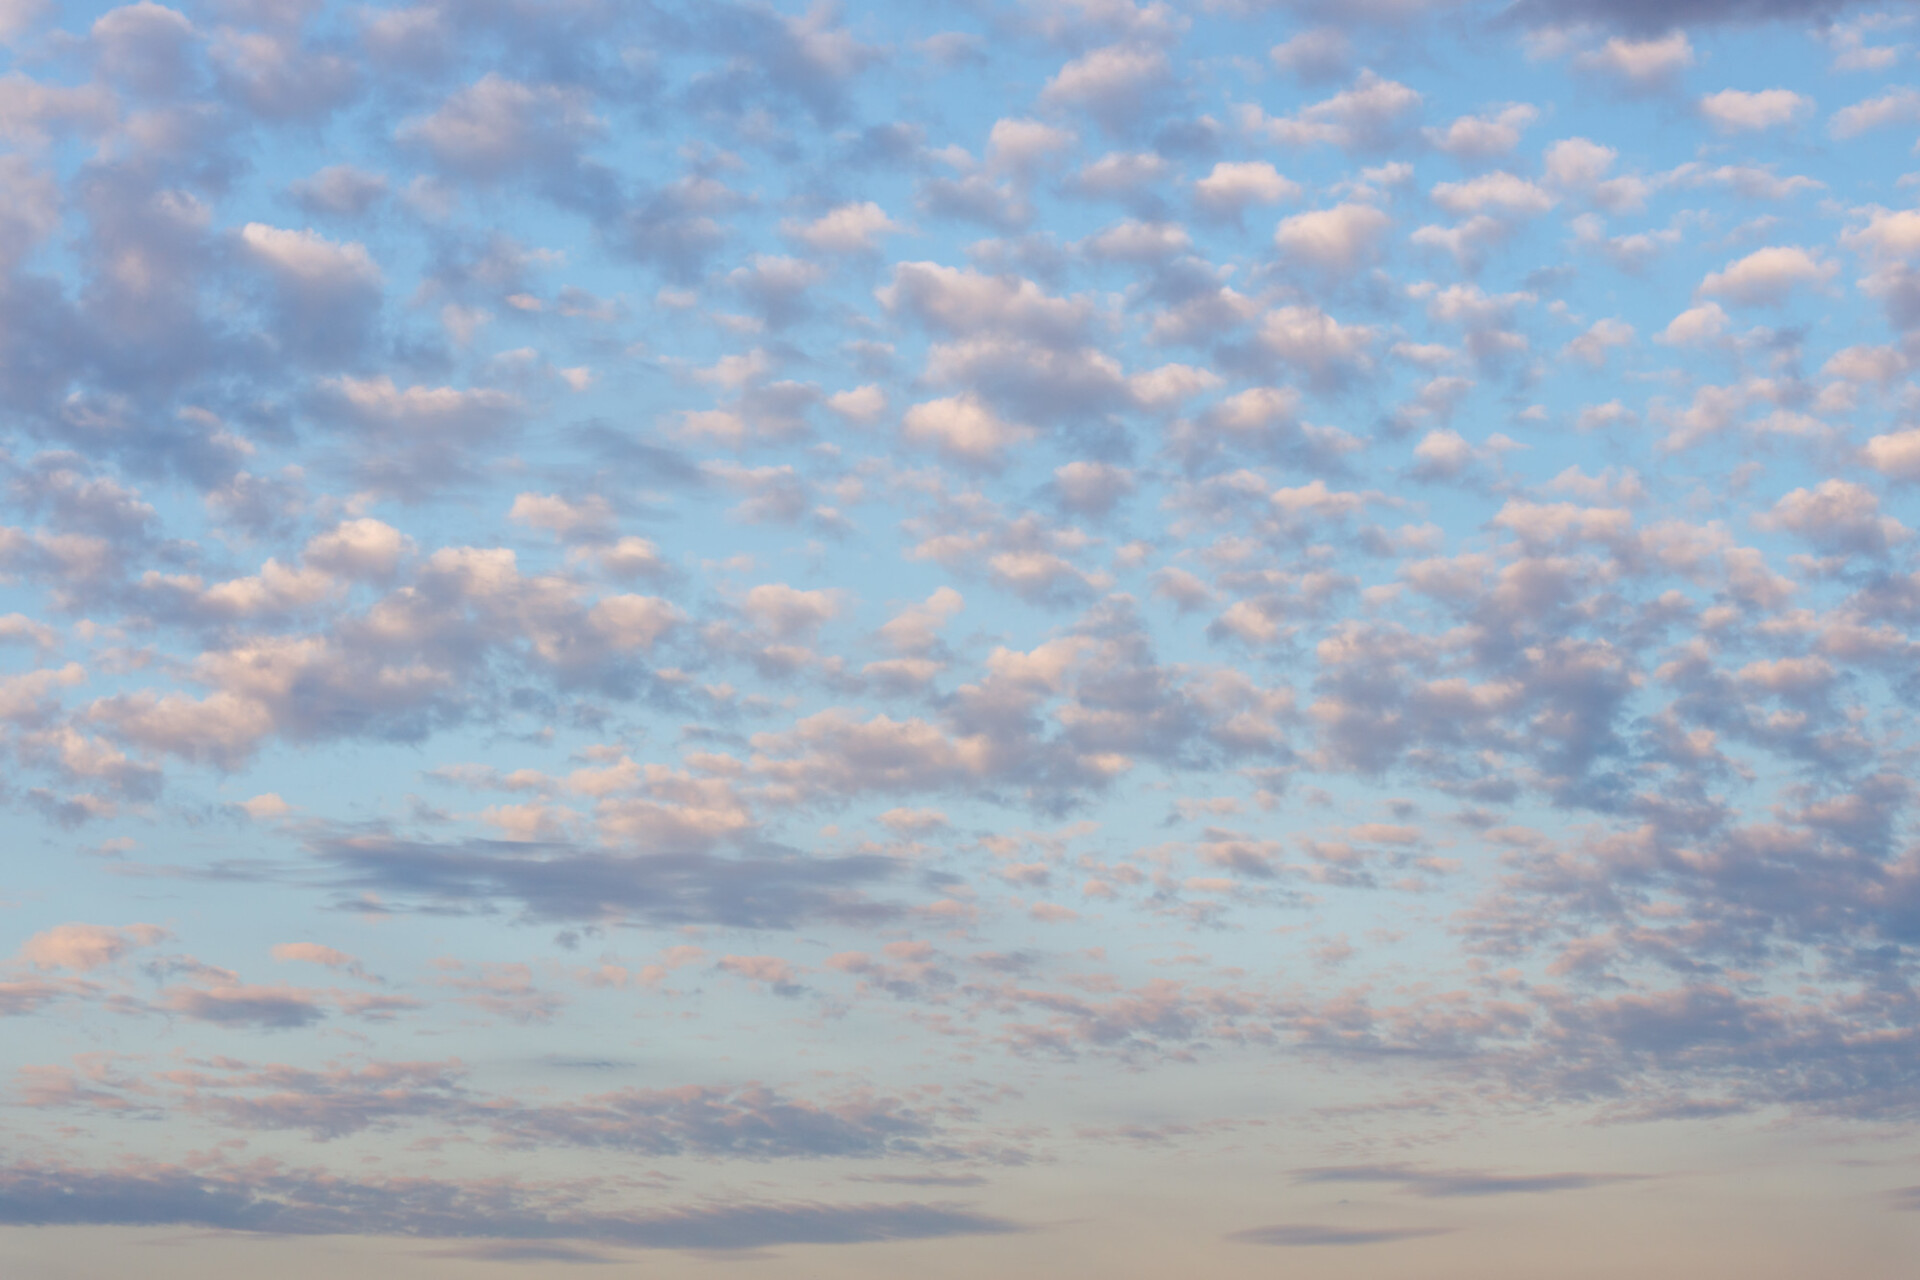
{"type": "Point", "coordinates": [848, 228]}
{"type": "Point", "coordinates": [1500, 192]}
{"type": "Point", "coordinates": [963, 429]}
{"type": "Point", "coordinates": [1896, 106]}
{"type": "Point", "coordinates": [308, 258]}
{"type": "Point", "coordinates": [1641, 63]}
{"type": "Point", "coordinates": [1483, 136]}
{"type": "Point", "coordinates": [1339, 240]}
{"type": "Point", "coordinates": [1737, 111]}
{"type": "Point", "coordinates": [1233, 185]}
{"type": "Point", "coordinates": [1766, 276]}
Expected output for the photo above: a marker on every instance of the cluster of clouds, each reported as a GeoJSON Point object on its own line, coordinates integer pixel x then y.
{"type": "Point", "coordinates": [828, 537]}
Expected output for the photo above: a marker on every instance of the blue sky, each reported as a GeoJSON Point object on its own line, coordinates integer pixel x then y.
{"type": "Point", "coordinates": [1065, 638]}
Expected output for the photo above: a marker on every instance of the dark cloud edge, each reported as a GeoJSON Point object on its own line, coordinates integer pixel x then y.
{"type": "Point", "coordinates": [313, 1203]}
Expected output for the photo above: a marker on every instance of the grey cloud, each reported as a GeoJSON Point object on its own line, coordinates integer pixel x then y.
{"type": "Point", "coordinates": [237, 1006]}
{"type": "Point", "coordinates": [1307, 1236]}
{"type": "Point", "coordinates": [278, 77]}
{"type": "Point", "coordinates": [313, 1204]}
{"type": "Point", "coordinates": [750, 1122]}
{"type": "Point", "coordinates": [1652, 17]}
{"type": "Point", "coordinates": [497, 127]}
{"type": "Point", "coordinates": [341, 190]}
{"type": "Point", "coordinates": [808, 59]}
{"type": "Point", "coordinates": [559, 882]}
{"type": "Point", "coordinates": [1444, 1184]}
{"type": "Point", "coordinates": [146, 48]}
{"type": "Point", "coordinates": [525, 1251]}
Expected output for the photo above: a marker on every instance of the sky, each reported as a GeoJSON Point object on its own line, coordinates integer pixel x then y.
{"type": "Point", "coordinates": [1072, 638]}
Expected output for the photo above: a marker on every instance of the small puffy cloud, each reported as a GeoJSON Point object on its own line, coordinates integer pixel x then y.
{"type": "Point", "coordinates": [961, 302]}
{"type": "Point", "coordinates": [1695, 325]}
{"type": "Point", "coordinates": [589, 518]}
{"type": "Point", "coordinates": [1501, 193]}
{"type": "Point", "coordinates": [314, 953]}
{"type": "Point", "coordinates": [1122, 175]}
{"type": "Point", "coordinates": [1895, 106]}
{"type": "Point", "coordinates": [789, 612]}
{"type": "Point", "coordinates": [362, 548]}
{"type": "Point", "coordinates": [1896, 454]}
{"type": "Point", "coordinates": [631, 557]}
{"type": "Point", "coordinates": [1836, 516]}
{"type": "Point", "coordinates": [1577, 163]}
{"type": "Point", "coordinates": [1483, 136]}
{"type": "Point", "coordinates": [963, 429]}
{"type": "Point", "coordinates": [1602, 417]}
{"type": "Point", "coordinates": [1641, 64]}
{"type": "Point", "coordinates": [1136, 241]}
{"type": "Point", "coordinates": [1867, 364]}
{"type": "Point", "coordinates": [1022, 146]}
{"type": "Point", "coordinates": [1368, 116]}
{"type": "Point", "coordinates": [1322, 53]}
{"type": "Point", "coordinates": [85, 947]}
{"type": "Point", "coordinates": [1442, 454]}
{"type": "Point", "coordinates": [1336, 241]}
{"type": "Point", "coordinates": [632, 622]}
{"type": "Point", "coordinates": [863, 405]}
{"type": "Point", "coordinates": [497, 127]}
{"type": "Point", "coordinates": [144, 47]}
{"type": "Point", "coordinates": [1234, 184]}
{"type": "Point", "coordinates": [1600, 337]}
{"type": "Point", "coordinates": [1888, 234]}
{"type": "Point", "coordinates": [341, 190]}
{"type": "Point", "coordinates": [1091, 488]}
{"type": "Point", "coordinates": [849, 228]}
{"type": "Point", "coordinates": [915, 630]}
{"type": "Point", "coordinates": [266, 805]}
{"type": "Point", "coordinates": [1766, 276]}
{"type": "Point", "coordinates": [771, 970]}
{"type": "Point", "coordinates": [1168, 385]}
{"type": "Point", "coordinates": [1312, 341]}
{"type": "Point", "coordinates": [1736, 111]}
{"type": "Point", "coordinates": [308, 259]}
{"type": "Point", "coordinates": [1114, 85]}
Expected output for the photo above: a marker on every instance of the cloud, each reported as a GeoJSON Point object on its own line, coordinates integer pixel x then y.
{"type": "Point", "coordinates": [1641, 64]}
{"type": "Point", "coordinates": [1314, 55]}
{"type": "Point", "coordinates": [1336, 241]}
{"type": "Point", "coordinates": [1766, 276]}
{"type": "Point", "coordinates": [340, 190]}
{"type": "Point", "coordinates": [962, 429]}
{"type": "Point", "coordinates": [1115, 85]}
{"type": "Point", "coordinates": [1369, 116]}
{"type": "Point", "coordinates": [1737, 111]}
{"type": "Point", "coordinates": [1484, 136]}
{"type": "Point", "coordinates": [1643, 17]}
{"type": "Point", "coordinates": [849, 228]}
{"type": "Point", "coordinates": [233, 1004]}
{"type": "Point", "coordinates": [1501, 192]}
{"type": "Point", "coordinates": [497, 127]}
{"type": "Point", "coordinates": [1231, 186]}
{"type": "Point", "coordinates": [1696, 324]}
{"type": "Point", "coordinates": [1895, 454]}
{"type": "Point", "coordinates": [694, 508]}
{"type": "Point", "coordinates": [306, 1204]}
{"type": "Point", "coordinates": [1895, 106]}
{"type": "Point", "coordinates": [82, 948]}
{"type": "Point", "coordinates": [562, 882]}
{"type": "Point", "coordinates": [1310, 1236]}
{"type": "Point", "coordinates": [1447, 1184]}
